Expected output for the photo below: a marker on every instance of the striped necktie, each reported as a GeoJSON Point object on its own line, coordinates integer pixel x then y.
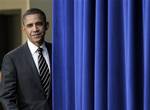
{"type": "Point", "coordinates": [44, 72]}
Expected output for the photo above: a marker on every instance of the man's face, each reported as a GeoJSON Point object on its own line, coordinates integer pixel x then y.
{"type": "Point", "coordinates": [35, 28]}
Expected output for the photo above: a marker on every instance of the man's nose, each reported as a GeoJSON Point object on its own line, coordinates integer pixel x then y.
{"type": "Point", "coordinates": [35, 28]}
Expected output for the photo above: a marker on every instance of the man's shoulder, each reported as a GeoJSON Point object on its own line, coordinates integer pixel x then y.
{"type": "Point", "coordinates": [48, 44]}
{"type": "Point", "coordinates": [16, 51]}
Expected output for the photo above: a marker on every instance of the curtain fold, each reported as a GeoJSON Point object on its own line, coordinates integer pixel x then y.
{"type": "Point", "coordinates": [146, 46]}
{"type": "Point", "coordinates": [101, 51]}
{"type": "Point", "coordinates": [100, 73]}
{"type": "Point", "coordinates": [116, 67]}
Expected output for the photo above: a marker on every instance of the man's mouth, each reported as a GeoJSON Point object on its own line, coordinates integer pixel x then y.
{"type": "Point", "coordinates": [37, 34]}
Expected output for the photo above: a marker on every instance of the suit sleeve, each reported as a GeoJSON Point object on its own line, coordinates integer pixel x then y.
{"type": "Point", "coordinates": [8, 84]}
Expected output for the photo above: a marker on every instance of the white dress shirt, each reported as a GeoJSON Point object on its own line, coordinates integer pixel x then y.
{"type": "Point", "coordinates": [33, 49]}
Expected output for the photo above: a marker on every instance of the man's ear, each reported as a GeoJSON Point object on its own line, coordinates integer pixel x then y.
{"type": "Point", "coordinates": [22, 29]}
{"type": "Point", "coordinates": [47, 25]}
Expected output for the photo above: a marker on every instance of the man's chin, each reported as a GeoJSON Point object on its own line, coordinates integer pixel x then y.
{"type": "Point", "coordinates": [40, 41]}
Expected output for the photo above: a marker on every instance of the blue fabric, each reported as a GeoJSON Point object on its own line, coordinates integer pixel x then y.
{"type": "Point", "coordinates": [101, 51]}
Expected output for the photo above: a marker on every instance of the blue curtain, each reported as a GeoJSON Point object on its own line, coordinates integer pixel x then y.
{"type": "Point", "coordinates": [101, 54]}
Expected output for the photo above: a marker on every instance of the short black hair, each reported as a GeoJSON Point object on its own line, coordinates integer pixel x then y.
{"type": "Point", "coordinates": [34, 11]}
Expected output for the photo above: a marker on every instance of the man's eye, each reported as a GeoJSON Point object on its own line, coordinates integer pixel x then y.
{"type": "Point", "coordinates": [39, 23]}
{"type": "Point", "coordinates": [29, 25]}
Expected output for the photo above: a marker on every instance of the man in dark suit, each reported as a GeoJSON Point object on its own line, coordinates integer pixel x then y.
{"type": "Point", "coordinates": [26, 70]}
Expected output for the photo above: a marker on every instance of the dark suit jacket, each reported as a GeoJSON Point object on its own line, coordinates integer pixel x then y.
{"type": "Point", "coordinates": [21, 88]}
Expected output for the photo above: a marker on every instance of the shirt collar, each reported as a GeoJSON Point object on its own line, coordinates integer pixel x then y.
{"type": "Point", "coordinates": [33, 48]}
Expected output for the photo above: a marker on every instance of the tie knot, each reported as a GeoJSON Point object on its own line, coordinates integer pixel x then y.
{"type": "Point", "coordinates": [40, 50]}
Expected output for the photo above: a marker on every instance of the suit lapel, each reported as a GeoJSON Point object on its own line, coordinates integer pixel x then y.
{"type": "Point", "coordinates": [31, 64]}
